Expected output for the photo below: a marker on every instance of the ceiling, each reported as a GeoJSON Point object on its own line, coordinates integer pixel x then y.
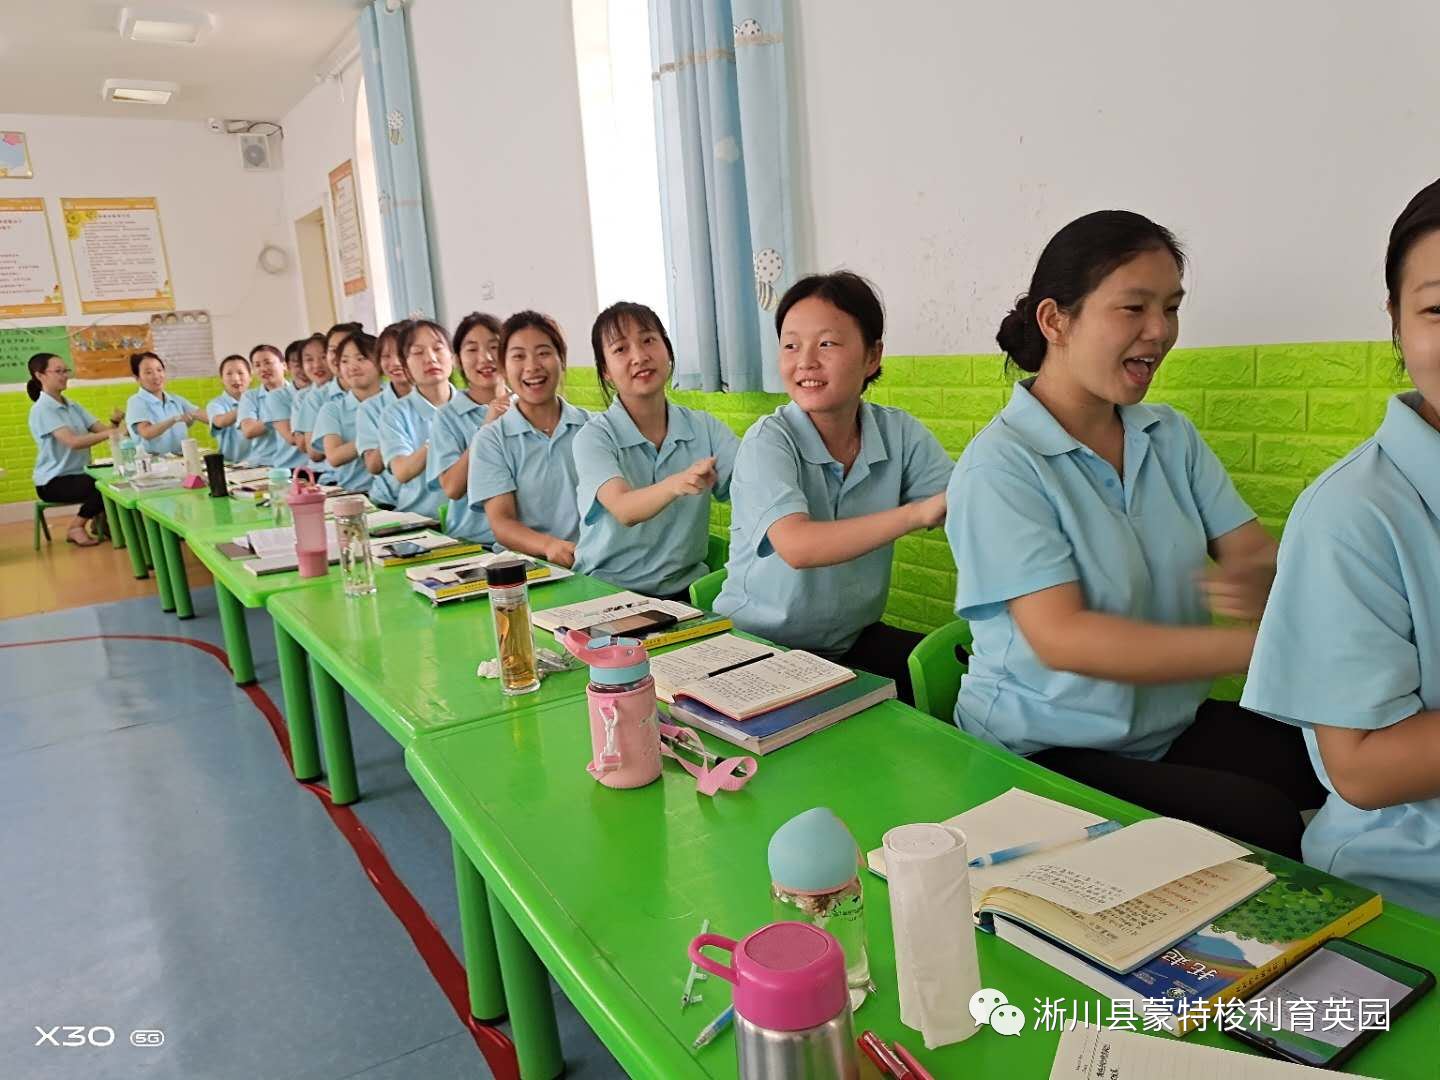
{"type": "Point", "coordinates": [259, 60]}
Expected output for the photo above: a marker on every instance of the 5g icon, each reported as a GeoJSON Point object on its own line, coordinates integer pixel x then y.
{"type": "Point", "coordinates": [147, 1038]}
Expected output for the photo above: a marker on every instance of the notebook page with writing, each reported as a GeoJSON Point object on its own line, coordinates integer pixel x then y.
{"type": "Point", "coordinates": [1112, 869]}
{"type": "Point", "coordinates": [1085, 1053]}
{"type": "Point", "coordinates": [768, 684]}
{"type": "Point", "coordinates": [673, 670]}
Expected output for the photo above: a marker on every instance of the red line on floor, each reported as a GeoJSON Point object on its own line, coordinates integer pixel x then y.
{"type": "Point", "coordinates": [434, 950]}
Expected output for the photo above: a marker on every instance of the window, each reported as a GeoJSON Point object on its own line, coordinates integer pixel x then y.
{"type": "Point", "coordinates": [617, 113]}
{"type": "Point", "coordinates": [368, 193]}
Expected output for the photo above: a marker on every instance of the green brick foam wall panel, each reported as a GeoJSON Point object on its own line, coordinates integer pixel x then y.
{"type": "Point", "coordinates": [1276, 415]}
{"type": "Point", "coordinates": [17, 448]}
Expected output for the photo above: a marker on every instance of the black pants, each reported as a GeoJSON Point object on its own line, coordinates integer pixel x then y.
{"type": "Point", "coordinates": [883, 650]}
{"type": "Point", "coordinates": [1232, 770]}
{"type": "Point", "coordinates": [74, 488]}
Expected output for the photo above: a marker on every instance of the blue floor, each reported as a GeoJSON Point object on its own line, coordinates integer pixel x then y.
{"type": "Point", "coordinates": [161, 869]}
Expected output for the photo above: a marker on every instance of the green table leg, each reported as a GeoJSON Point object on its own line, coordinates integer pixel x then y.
{"type": "Point", "coordinates": [130, 529]}
{"type": "Point", "coordinates": [295, 680]}
{"type": "Point", "coordinates": [237, 635]}
{"type": "Point", "coordinates": [145, 552]}
{"type": "Point", "coordinates": [112, 521]}
{"type": "Point", "coordinates": [179, 584]}
{"type": "Point", "coordinates": [527, 995]}
{"type": "Point", "coordinates": [156, 551]}
{"type": "Point", "coordinates": [482, 965]}
{"type": "Point", "coordinates": [335, 735]}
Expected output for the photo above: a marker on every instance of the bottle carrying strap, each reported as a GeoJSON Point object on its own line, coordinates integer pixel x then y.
{"type": "Point", "coordinates": [610, 755]}
{"type": "Point", "coordinates": [728, 774]}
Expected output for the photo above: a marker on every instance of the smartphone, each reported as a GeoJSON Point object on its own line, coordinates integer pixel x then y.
{"type": "Point", "coordinates": [1332, 1003]}
{"type": "Point", "coordinates": [637, 625]}
{"type": "Point", "coordinates": [403, 549]}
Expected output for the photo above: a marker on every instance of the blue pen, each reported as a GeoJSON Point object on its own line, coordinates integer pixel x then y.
{"type": "Point", "coordinates": [719, 1024]}
{"type": "Point", "coordinates": [1035, 847]}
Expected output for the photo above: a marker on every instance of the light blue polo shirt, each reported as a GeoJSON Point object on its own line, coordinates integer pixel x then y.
{"type": "Point", "coordinates": [404, 428]}
{"type": "Point", "coordinates": [512, 455]}
{"type": "Point", "coordinates": [270, 406]}
{"type": "Point", "coordinates": [383, 488]}
{"type": "Point", "coordinates": [297, 406]}
{"type": "Point", "coordinates": [52, 457]}
{"type": "Point", "coordinates": [1032, 508]}
{"type": "Point", "coordinates": [783, 468]}
{"type": "Point", "coordinates": [309, 403]}
{"type": "Point", "coordinates": [1351, 639]}
{"type": "Point", "coordinates": [231, 443]}
{"type": "Point", "coordinates": [337, 417]}
{"type": "Point", "coordinates": [145, 406]}
{"type": "Point", "coordinates": [454, 429]}
{"type": "Point", "coordinates": [665, 554]}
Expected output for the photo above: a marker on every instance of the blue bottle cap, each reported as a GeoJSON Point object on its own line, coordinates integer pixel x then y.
{"type": "Point", "coordinates": [813, 852]}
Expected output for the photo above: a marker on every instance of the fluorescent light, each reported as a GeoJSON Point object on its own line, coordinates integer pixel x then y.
{"type": "Point", "coordinates": [163, 26]}
{"type": "Point", "coordinates": [139, 91]}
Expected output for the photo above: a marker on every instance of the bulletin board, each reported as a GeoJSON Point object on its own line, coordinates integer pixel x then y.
{"type": "Point", "coordinates": [349, 241]}
{"type": "Point", "coordinates": [102, 351]}
{"type": "Point", "coordinates": [118, 252]}
{"type": "Point", "coordinates": [185, 340]}
{"type": "Point", "coordinates": [29, 274]}
{"type": "Point", "coordinates": [18, 344]}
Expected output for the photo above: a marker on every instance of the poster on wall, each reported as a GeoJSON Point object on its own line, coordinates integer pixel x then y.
{"type": "Point", "coordinates": [349, 241]}
{"type": "Point", "coordinates": [102, 350]}
{"type": "Point", "coordinates": [185, 340]}
{"type": "Point", "coordinates": [15, 156]}
{"type": "Point", "coordinates": [119, 256]}
{"type": "Point", "coordinates": [29, 274]}
{"type": "Point", "coordinates": [19, 343]}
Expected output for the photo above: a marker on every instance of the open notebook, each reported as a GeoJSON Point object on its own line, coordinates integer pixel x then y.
{"type": "Point", "coordinates": [740, 678]}
{"type": "Point", "coordinates": [1118, 900]}
{"type": "Point", "coordinates": [1086, 1053]}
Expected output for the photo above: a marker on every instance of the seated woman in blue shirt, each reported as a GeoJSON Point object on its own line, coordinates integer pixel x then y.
{"type": "Point", "coordinates": [522, 473]}
{"type": "Point", "coordinates": [825, 485]}
{"type": "Point", "coordinates": [1349, 648]}
{"type": "Point", "coordinates": [152, 415]}
{"type": "Point", "coordinates": [383, 489]}
{"type": "Point", "coordinates": [64, 432]}
{"type": "Point", "coordinates": [264, 413]}
{"type": "Point", "coordinates": [335, 424]}
{"type": "Point", "coordinates": [1082, 527]}
{"type": "Point", "coordinates": [646, 467]}
{"type": "Point", "coordinates": [484, 400]}
{"type": "Point", "coordinates": [405, 426]}
{"type": "Point", "coordinates": [224, 408]}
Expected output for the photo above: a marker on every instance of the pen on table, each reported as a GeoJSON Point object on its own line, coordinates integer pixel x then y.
{"type": "Point", "coordinates": [917, 1070]}
{"type": "Point", "coordinates": [710, 1030]}
{"type": "Point", "coordinates": [1037, 846]}
{"type": "Point", "coordinates": [742, 663]}
{"type": "Point", "coordinates": [885, 1059]}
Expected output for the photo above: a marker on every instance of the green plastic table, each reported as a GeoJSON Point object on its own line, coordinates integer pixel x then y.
{"type": "Point", "coordinates": [112, 515]}
{"type": "Point", "coordinates": [121, 499]}
{"type": "Point", "coordinates": [183, 514]}
{"type": "Point", "coordinates": [410, 664]}
{"type": "Point", "coordinates": [606, 888]}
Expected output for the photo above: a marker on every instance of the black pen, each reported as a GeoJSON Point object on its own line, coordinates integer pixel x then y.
{"type": "Point", "coordinates": [742, 663]}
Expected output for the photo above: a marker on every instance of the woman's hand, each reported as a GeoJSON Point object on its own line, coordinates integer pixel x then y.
{"type": "Point", "coordinates": [1238, 588]}
{"type": "Point", "coordinates": [699, 478]}
{"type": "Point", "coordinates": [929, 513]}
{"type": "Point", "coordinates": [117, 417]}
{"type": "Point", "coordinates": [498, 408]}
{"type": "Point", "coordinates": [560, 552]}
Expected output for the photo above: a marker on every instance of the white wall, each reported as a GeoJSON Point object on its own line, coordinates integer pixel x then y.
{"type": "Point", "coordinates": [943, 143]}
{"type": "Point", "coordinates": [215, 216]}
{"type": "Point", "coordinates": [499, 114]}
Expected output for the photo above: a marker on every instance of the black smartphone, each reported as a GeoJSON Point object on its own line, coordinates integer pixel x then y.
{"type": "Point", "coordinates": [402, 549]}
{"type": "Point", "coordinates": [1332, 1003]}
{"type": "Point", "coordinates": [637, 625]}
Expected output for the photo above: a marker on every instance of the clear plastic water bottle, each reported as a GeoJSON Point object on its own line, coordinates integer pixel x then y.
{"type": "Point", "coordinates": [514, 639]}
{"type": "Point", "coordinates": [142, 461]}
{"type": "Point", "coordinates": [357, 568]}
{"type": "Point", "coordinates": [126, 461]}
{"type": "Point", "coordinates": [279, 508]}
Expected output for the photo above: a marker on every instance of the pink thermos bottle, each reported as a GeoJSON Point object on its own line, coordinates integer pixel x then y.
{"type": "Point", "coordinates": [624, 724]}
{"type": "Point", "coordinates": [307, 508]}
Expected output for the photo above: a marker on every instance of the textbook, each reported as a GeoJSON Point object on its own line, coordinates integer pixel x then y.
{"type": "Point", "coordinates": [748, 685]}
{"type": "Point", "coordinates": [441, 582]}
{"type": "Point", "coordinates": [435, 545]}
{"type": "Point", "coordinates": [1119, 900]}
{"type": "Point", "coordinates": [789, 723]}
{"type": "Point", "coordinates": [587, 613]}
{"type": "Point", "coordinates": [1233, 956]}
{"type": "Point", "coordinates": [685, 631]}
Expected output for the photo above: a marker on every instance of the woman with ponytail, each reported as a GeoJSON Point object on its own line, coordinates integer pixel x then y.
{"type": "Point", "coordinates": [1084, 531]}
{"type": "Point", "coordinates": [64, 432]}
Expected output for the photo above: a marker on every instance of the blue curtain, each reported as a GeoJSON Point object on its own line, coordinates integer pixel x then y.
{"type": "Point", "coordinates": [385, 59]}
{"type": "Point", "coordinates": [722, 120]}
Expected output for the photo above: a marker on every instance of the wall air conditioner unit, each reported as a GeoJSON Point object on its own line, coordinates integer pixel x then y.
{"type": "Point", "coordinates": [259, 152]}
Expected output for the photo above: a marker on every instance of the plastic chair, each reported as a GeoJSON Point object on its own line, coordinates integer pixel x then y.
{"type": "Point", "coordinates": [444, 513]}
{"type": "Point", "coordinates": [717, 552]}
{"type": "Point", "coordinates": [935, 671]}
{"type": "Point", "coordinates": [41, 525]}
{"type": "Point", "coordinates": [704, 590]}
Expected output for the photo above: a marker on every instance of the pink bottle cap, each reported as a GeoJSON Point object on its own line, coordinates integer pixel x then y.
{"type": "Point", "coordinates": [303, 492]}
{"type": "Point", "coordinates": [788, 976]}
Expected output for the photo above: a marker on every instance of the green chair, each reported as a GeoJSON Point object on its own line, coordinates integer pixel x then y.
{"type": "Point", "coordinates": [41, 525]}
{"type": "Point", "coordinates": [444, 513]}
{"type": "Point", "coordinates": [717, 553]}
{"type": "Point", "coordinates": [934, 670]}
{"type": "Point", "coordinates": [704, 590]}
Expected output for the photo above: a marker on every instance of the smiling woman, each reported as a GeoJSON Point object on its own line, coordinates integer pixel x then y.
{"type": "Point", "coordinates": [1082, 556]}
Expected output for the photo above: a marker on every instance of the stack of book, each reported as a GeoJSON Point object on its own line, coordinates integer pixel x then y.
{"type": "Point", "coordinates": [464, 579]}
{"type": "Point", "coordinates": [272, 551]}
{"type": "Point", "coordinates": [675, 622]}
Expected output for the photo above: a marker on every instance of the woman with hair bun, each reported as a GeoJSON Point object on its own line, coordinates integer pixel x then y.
{"type": "Point", "coordinates": [64, 432]}
{"type": "Point", "coordinates": [1085, 526]}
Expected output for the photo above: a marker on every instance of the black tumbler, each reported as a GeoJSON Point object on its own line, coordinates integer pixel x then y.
{"type": "Point", "coordinates": [215, 473]}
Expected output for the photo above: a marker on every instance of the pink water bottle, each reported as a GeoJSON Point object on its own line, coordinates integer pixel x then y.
{"type": "Point", "coordinates": [792, 1005]}
{"type": "Point", "coordinates": [307, 508]}
{"type": "Point", "coordinates": [624, 724]}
